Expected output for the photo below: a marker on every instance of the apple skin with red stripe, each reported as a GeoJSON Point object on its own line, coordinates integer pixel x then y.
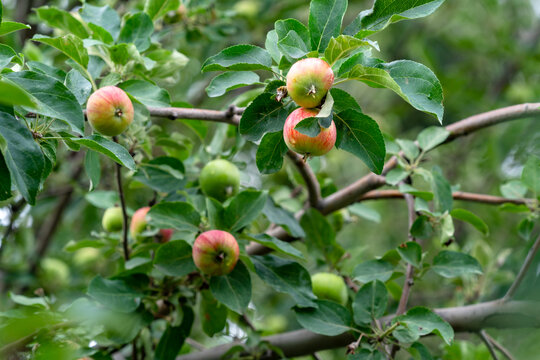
{"type": "Point", "coordinates": [215, 252]}
{"type": "Point", "coordinates": [304, 144]}
{"type": "Point", "coordinates": [110, 111]}
{"type": "Point", "coordinates": [139, 224]}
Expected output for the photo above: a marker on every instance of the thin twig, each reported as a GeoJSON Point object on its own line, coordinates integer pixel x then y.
{"type": "Point", "coordinates": [499, 347]}
{"type": "Point", "coordinates": [229, 116]}
{"type": "Point", "coordinates": [523, 271]}
{"type": "Point", "coordinates": [124, 211]}
{"type": "Point", "coordinates": [312, 184]}
{"type": "Point", "coordinates": [488, 343]}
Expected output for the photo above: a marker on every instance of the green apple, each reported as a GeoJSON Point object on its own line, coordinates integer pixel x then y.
{"type": "Point", "coordinates": [220, 179]}
{"type": "Point", "coordinates": [308, 81]}
{"type": "Point", "coordinates": [86, 257]}
{"type": "Point", "coordinates": [329, 286]}
{"type": "Point", "coordinates": [109, 110]}
{"type": "Point", "coordinates": [113, 219]}
{"type": "Point", "coordinates": [304, 144]}
{"type": "Point", "coordinates": [54, 273]}
{"type": "Point", "coordinates": [215, 252]}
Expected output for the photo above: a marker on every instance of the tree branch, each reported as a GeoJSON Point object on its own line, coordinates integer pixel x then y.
{"type": "Point", "coordinates": [499, 347]}
{"type": "Point", "coordinates": [458, 195]}
{"type": "Point", "coordinates": [229, 116]}
{"type": "Point", "coordinates": [471, 318]}
{"type": "Point", "coordinates": [523, 271]}
{"type": "Point", "coordinates": [312, 184]}
{"type": "Point", "coordinates": [489, 345]}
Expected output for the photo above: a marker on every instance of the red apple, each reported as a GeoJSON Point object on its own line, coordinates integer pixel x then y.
{"type": "Point", "coordinates": [109, 111]}
{"type": "Point", "coordinates": [307, 145]}
{"type": "Point", "coordinates": [215, 252]}
{"type": "Point", "coordinates": [139, 224]}
{"type": "Point", "coordinates": [165, 235]}
{"type": "Point", "coordinates": [308, 81]}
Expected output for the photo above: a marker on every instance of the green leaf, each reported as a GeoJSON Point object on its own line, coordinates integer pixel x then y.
{"type": "Point", "coordinates": [311, 126]}
{"type": "Point", "coordinates": [360, 135]}
{"type": "Point", "coordinates": [452, 264]}
{"type": "Point", "coordinates": [6, 55]}
{"type": "Point", "coordinates": [278, 245]}
{"type": "Point", "coordinates": [531, 175]}
{"type": "Point", "coordinates": [53, 98]}
{"type": "Point", "coordinates": [408, 189]}
{"type": "Point", "coordinates": [525, 229]}
{"type": "Point", "coordinates": [244, 208]}
{"type": "Point", "coordinates": [229, 81]}
{"type": "Point", "coordinates": [13, 94]}
{"type": "Point", "coordinates": [137, 30]}
{"type": "Point", "coordinates": [29, 301]}
{"type": "Point", "coordinates": [395, 176]}
{"type": "Point", "coordinates": [62, 20]}
{"type": "Point", "coordinates": [158, 8]}
{"type": "Point", "coordinates": [386, 12]}
{"type": "Point", "coordinates": [174, 337]}
{"type": "Point", "coordinates": [263, 115]}
{"type": "Point", "coordinates": [270, 153]}
{"type": "Point", "coordinates": [282, 217]}
{"type": "Point", "coordinates": [373, 270]}
{"type": "Point", "coordinates": [329, 318]}
{"type": "Point", "coordinates": [7, 27]}
{"type": "Point", "coordinates": [474, 220]}
{"type": "Point", "coordinates": [409, 148]}
{"type": "Point", "coordinates": [213, 314]}
{"type": "Point", "coordinates": [365, 212]}
{"type": "Point", "coordinates": [104, 17]}
{"type": "Point", "coordinates": [109, 148]}
{"type": "Point", "coordinates": [420, 321]}
{"type": "Point", "coordinates": [283, 27]}
{"type": "Point", "coordinates": [178, 215]}
{"type": "Point", "coordinates": [71, 45]}
{"type": "Point", "coordinates": [325, 17]}
{"type": "Point", "coordinates": [5, 179]}
{"type": "Point", "coordinates": [51, 71]}
{"type": "Point", "coordinates": [431, 137]}
{"type": "Point", "coordinates": [148, 94]}
{"type": "Point", "coordinates": [411, 252]}
{"type": "Point", "coordinates": [239, 58]}
{"type": "Point", "coordinates": [343, 101]}
{"type": "Point", "coordinates": [271, 45]}
{"type": "Point", "coordinates": [114, 294]}
{"type": "Point", "coordinates": [342, 46]}
{"type": "Point", "coordinates": [174, 259]}
{"type": "Point", "coordinates": [92, 167]}
{"type": "Point", "coordinates": [292, 45]}
{"type": "Point", "coordinates": [514, 189]}
{"type": "Point", "coordinates": [320, 236]}
{"type": "Point", "coordinates": [22, 156]}
{"type": "Point", "coordinates": [163, 174]}
{"type": "Point", "coordinates": [285, 276]}
{"type": "Point", "coordinates": [103, 199]}
{"type": "Point", "coordinates": [234, 289]}
{"type": "Point", "coordinates": [370, 302]}
{"type": "Point", "coordinates": [78, 85]}
{"type": "Point", "coordinates": [442, 191]}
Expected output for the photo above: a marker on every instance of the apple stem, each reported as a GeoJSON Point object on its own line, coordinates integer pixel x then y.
{"type": "Point", "coordinates": [220, 257]}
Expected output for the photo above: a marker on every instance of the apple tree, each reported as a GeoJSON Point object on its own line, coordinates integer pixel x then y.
{"type": "Point", "coordinates": [205, 179]}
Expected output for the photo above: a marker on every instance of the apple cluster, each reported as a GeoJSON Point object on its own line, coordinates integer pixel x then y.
{"type": "Point", "coordinates": [308, 82]}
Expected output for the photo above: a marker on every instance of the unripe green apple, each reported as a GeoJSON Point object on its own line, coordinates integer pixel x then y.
{"type": "Point", "coordinates": [329, 286]}
{"type": "Point", "coordinates": [113, 219]}
{"type": "Point", "coordinates": [220, 179]}
{"type": "Point", "coordinates": [215, 252]}
{"type": "Point", "coordinates": [86, 257]}
{"type": "Point", "coordinates": [54, 273]}
{"type": "Point", "coordinates": [109, 111]}
{"type": "Point", "coordinates": [307, 145]}
{"type": "Point", "coordinates": [308, 81]}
